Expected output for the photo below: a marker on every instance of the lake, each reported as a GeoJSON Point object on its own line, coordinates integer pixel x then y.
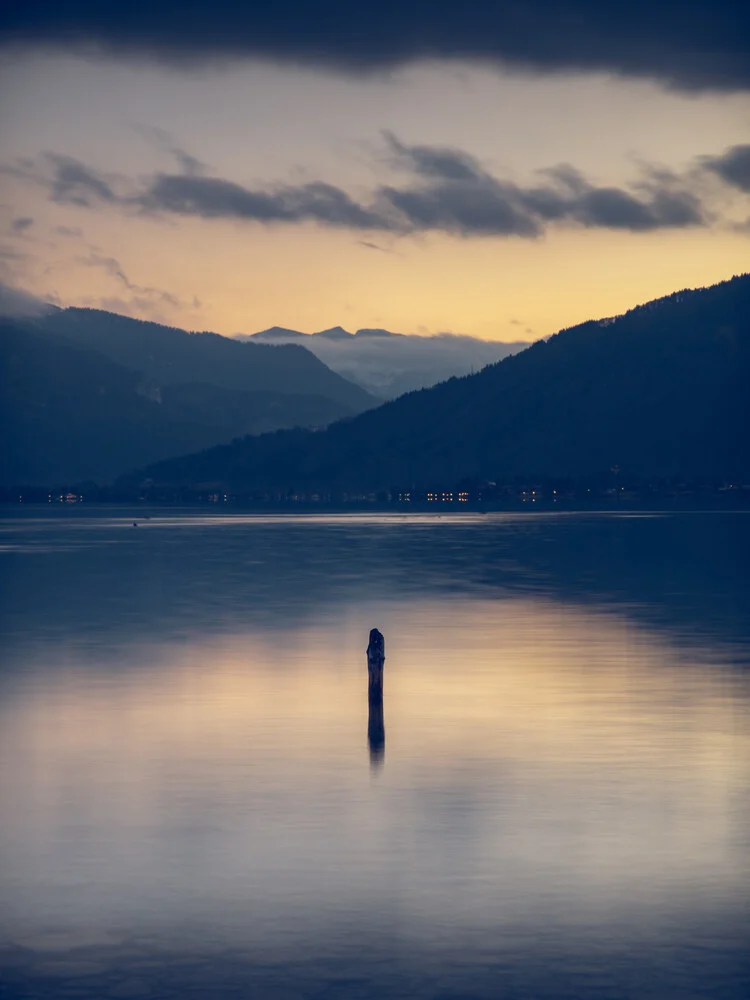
{"type": "Point", "coordinates": [198, 800]}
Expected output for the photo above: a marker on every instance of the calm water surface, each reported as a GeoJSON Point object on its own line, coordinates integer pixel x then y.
{"type": "Point", "coordinates": [198, 802]}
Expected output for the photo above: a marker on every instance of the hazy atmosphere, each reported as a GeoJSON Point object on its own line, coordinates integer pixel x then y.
{"type": "Point", "coordinates": [375, 500]}
{"type": "Point", "coordinates": [417, 174]}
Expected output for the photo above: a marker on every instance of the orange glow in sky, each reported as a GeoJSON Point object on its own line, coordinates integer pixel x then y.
{"type": "Point", "coordinates": [266, 128]}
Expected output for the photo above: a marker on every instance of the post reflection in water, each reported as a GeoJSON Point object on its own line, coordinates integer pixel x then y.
{"type": "Point", "coordinates": [188, 811]}
{"type": "Point", "coordinates": [376, 727]}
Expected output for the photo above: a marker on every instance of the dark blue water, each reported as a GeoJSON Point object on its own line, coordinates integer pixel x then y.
{"type": "Point", "coordinates": [198, 801]}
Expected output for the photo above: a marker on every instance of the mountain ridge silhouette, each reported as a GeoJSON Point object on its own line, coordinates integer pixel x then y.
{"type": "Point", "coordinates": [659, 391]}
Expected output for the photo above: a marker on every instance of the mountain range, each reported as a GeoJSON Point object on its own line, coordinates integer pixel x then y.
{"type": "Point", "coordinates": [390, 364]}
{"type": "Point", "coordinates": [660, 391]}
{"type": "Point", "coordinates": [85, 394]}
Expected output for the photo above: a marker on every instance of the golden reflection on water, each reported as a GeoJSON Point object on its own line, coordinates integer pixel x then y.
{"type": "Point", "coordinates": [515, 678]}
{"type": "Point", "coordinates": [537, 756]}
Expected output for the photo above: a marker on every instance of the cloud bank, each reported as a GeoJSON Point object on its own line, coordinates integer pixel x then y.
{"type": "Point", "coordinates": [443, 190]}
{"type": "Point", "coordinates": [15, 303]}
{"type": "Point", "coordinates": [458, 195]}
{"type": "Point", "coordinates": [686, 44]}
{"type": "Point", "coordinates": [733, 166]}
{"type": "Point", "coordinates": [389, 364]}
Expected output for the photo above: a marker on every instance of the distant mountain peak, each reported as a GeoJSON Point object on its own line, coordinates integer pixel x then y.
{"type": "Point", "coordinates": [388, 364]}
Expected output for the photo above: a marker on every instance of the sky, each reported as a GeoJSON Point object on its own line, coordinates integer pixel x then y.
{"type": "Point", "coordinates": [498, 169]}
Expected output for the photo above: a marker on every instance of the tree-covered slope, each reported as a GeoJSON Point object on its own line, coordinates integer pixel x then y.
{"type": "Point", "coordinates": [661, 391]}
{"type": "Point", "coordinates": [167, 355]}
{"type": "Point", "coordinates": [70, 414]}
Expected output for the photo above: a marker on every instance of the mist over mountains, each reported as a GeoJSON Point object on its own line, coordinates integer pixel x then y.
{"type": "Point", "coordinates": [85, 394]}
{"type": "Point", "coordinates": [16, 304]}
{"type": "Point", "coordinates": [390, 364]}
{"type": "Point", "coordinates": [168, 355]}
{"type": "Point", "coordinates": [660, 391]}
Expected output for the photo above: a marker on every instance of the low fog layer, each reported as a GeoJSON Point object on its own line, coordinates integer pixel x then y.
{"type": "Point", "coordinates": [389, 364]}
{"type": "Point", "coordinates": [15, 304]}
{"type": "Point", "coordinates": [385, 364]}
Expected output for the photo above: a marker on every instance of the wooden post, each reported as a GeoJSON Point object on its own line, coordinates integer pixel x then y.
{"type": "Point", "coordinates": [375, 720]}
{"type": "Point", "coordinates": [375, 658]}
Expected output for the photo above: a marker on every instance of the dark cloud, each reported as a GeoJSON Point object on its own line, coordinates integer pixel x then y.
{"type": "Point", "coordinates": [471, 208]}
{"type": "Point", "coordinates": [21, 224]}
{"type": "Point", "coordinates": [68, 231]}
{"type": "Point", "coordinates": [442, 162]}
{"type": "Point", "coordinates": [214, 198]}
{"type": "Point", "coordinates": [73, 183]}
{"type": "Point", "coordinates": [733, 166]}
{"type": "Point", "coordinates": [612, 208]}
{"type": "Point", "coordinates": [688, 44]}
{"type": "Point", "coordinates": [458, 195]}
{"type": "Point", "coordinates": [447, 191]}
{"type": "Point", "coordinates": [162, 139]}
{"type": "Point", "coordinates": [464, 201]}
{"type": "Point", "coordinates": [373, 246]}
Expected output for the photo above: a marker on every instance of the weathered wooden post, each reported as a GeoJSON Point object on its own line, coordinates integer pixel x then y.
{"type": "Point", "coordinates": [375, 658]}
{"type": "Point", "coordinates": [375, 720]}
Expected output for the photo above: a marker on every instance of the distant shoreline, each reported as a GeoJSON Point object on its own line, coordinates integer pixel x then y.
{"type": "Point", "coordinates": [736, 500]}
